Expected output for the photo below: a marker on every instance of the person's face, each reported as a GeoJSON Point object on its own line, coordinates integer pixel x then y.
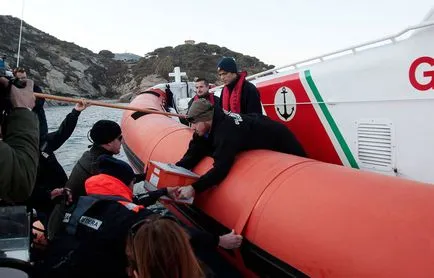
{"type": "Point", "coordinates": [200, 128]}
{"type": "Point", "coordinates": [21, 75]}
{"type": "Point", "coordinates": [201, 88]}
{"type": "Point", "coordinates": [227, 77]}
{"type": "Point", "coordinates": [115, 145]}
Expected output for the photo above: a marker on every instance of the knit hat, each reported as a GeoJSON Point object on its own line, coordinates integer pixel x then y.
{"type": "Point", "coordinates": [201, 110]}
{"type": "Point", "coordinates": [116, 168]}
{"type": "Point", "coordinates": [227, 64]}
{"type": "Point", "coordinates": [104, 131]}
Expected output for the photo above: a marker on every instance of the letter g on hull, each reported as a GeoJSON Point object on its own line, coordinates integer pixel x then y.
{"type": "Point", "coordinates": [421, 73]}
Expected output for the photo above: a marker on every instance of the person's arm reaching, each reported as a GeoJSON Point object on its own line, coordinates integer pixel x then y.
{"type": "Point", "coordinates": [196, 151]}
{"type": "Point", "coordinates": [56, 139]}
{"type": "Point", "coordinates": [149, 198]}
{"type": "Point", "coordinates": [224, 157]}
{"type": "Point", "coordinates": [200, 239]}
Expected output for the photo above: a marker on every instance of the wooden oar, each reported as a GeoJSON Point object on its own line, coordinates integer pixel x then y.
{"type": "Point", "coordinates": [104, 104]}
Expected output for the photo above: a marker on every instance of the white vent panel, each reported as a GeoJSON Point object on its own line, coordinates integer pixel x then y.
{"type": "Point", "coordinates": [375, 148]}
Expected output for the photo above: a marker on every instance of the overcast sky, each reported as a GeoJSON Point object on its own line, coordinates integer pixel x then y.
{"type": "Point", "coordinates": [275, 31]}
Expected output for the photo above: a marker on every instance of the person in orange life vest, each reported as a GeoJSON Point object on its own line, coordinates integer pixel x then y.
{"type": "Point", "coordinates": [238, 95]}
{"type": "Point", "coordinates": [106, 137]}
{"type": "Point", "coordinates": [91, 238]}
{"type": "Point", "coordinates": [224, 135]}
{"type": "Point", "coordinates": [202, 91]}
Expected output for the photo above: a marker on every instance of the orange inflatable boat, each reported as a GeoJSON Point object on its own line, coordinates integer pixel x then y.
{"type": "Point", "coordinates": [299, 217]}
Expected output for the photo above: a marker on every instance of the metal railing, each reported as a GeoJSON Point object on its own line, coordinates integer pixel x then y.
{"type": "Point", "coordinates": [352, 49]}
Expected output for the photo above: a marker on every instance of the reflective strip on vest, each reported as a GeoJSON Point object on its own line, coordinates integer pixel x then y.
{"type": "Point", "coordinates": [131, 206]}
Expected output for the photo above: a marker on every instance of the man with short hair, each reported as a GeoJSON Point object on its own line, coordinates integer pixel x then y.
{"type": "Point", "coordinates": [223, 136]}
{"type": "Point", "coordinates": [238, 95]}
{"type": "Point", "coordinates": [21, 74]}
{"type": "Point", "coordinates": [202, 91]}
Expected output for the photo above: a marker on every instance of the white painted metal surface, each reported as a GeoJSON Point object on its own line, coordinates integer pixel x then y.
{"type": "Point", "coordinates": [378, 81]}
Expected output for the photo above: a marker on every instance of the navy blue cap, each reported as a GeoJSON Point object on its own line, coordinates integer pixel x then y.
{"type": "Point", "coordinates": [227, 64]}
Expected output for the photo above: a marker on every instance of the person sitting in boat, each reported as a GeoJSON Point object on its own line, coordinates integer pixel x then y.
{"type": "Point", "coordinates": [21, 74]}
{"type": "Point", "coordinates": [51, 177]}
{"type": "Point", "coordinates": [202, 91]}
{"type": "Point", "coordinates": [19, 147]}
{"type": "Point", "coordinates": [223, 135]}
{"type": "Point", "coordinates": [238, 95]}
{"type": "Point", "coordinates": [148, 248]}
{"type": "Point", "coordinates": [91, 238]}
{"type": "Point", "coordinates": [106, 137]}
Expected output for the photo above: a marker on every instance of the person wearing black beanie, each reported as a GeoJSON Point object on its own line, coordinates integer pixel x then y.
{"type": "Point", "coordinates": [238, 95]}
{"type": "Point", "coordinates": [106, 138]}
{"type": "Point", "coordinates": [105, 133]}
{"type": "Point", "coordinates": [97, 227]}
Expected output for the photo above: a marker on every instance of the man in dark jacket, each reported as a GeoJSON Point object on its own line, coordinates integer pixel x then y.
{"type": "Point", "coordinates": [106, 137]}
{"type": "Point", "coordinates": [238, 95]}
{"type": "Point", "coordinates": [51, 177]}
{"type": "Point", "coordinates": [223, 136]}
{"type": "Point", "coordinates": [19, 148]}
{"type": "Point", "coordinates": [91, 239]}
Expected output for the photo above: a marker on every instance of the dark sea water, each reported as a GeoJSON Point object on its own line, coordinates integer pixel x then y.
{"type": "Point", "coordinates": [78, 143]}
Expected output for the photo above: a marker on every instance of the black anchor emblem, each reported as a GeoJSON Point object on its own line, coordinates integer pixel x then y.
{"type": "Point", "coordinates": [285, 114]}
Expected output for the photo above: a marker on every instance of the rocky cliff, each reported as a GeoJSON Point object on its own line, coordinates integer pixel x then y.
{"type": "Point", "coordinates": [64, 68]}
